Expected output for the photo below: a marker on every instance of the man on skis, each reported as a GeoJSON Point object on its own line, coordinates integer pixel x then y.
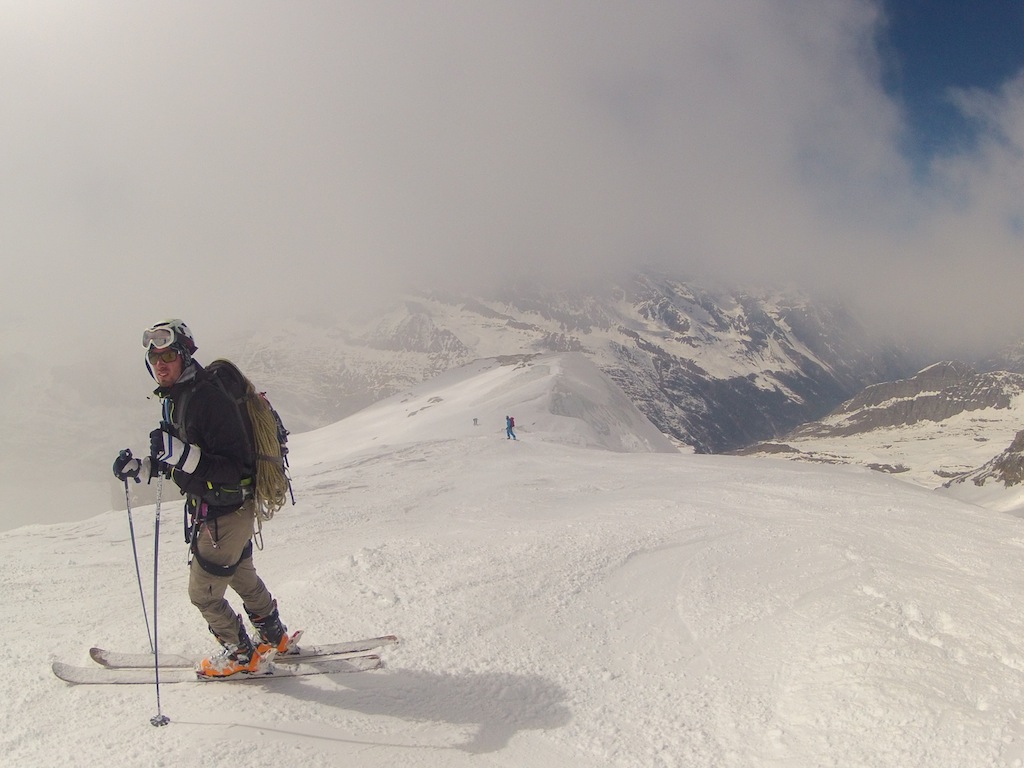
{"type": "Point", "coordinates": [202, 446]}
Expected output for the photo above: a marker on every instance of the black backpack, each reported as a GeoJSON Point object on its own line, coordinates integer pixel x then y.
{"type": "Point", "coordinates": [266, 433]}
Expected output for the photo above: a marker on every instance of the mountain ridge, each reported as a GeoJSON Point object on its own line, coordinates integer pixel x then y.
{"type": "Point", "coordinates": [946, 425]}
{"type": "Point", "coordinates": [715, 370]}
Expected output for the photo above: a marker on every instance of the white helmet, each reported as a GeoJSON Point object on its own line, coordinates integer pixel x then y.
{"type": "Point", "coordinates": [169, 333]}
{"type": "Point", "coordinates": [173, 334]}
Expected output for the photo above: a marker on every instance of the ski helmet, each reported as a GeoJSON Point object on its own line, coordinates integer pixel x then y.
{"type": "Point", "coordinates": [172, 334]}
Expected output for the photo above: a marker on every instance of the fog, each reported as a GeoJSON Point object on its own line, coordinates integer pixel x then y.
{"type": "Point", "coordinates": [222, 160]}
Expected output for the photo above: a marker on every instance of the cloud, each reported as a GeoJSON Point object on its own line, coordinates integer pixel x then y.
{"type": "Point", "coordinates": [203, 159]}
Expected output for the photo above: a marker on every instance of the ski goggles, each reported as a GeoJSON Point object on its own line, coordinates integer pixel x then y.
{"type": "Point", "coordinates": [159, 337]}
{"type": "Point", "coordinates": [162, 356]}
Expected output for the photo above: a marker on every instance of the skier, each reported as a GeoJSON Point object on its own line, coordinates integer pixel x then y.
{"type": "Point", "coordinates": [510, 425]}
{"type": "Point", "coordinates": [202, 446]}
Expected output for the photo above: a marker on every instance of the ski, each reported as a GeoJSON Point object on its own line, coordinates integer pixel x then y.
{"type": "Point", "coordinates": [119, 660]}
{"type": "Point", "coordinates": [141, 676]}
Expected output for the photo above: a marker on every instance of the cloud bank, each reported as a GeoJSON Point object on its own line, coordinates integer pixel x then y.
{"type": "Point", "coordinates": [208, 160]}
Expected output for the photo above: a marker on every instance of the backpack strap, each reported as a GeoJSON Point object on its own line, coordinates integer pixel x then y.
{"type": "Point", "coordinates": [180, 408]}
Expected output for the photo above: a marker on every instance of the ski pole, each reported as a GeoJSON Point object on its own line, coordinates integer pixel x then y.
{"type": "Point", "coordinates": [159, 718]}
{"type": "Point", "coordinates": [135, 554]}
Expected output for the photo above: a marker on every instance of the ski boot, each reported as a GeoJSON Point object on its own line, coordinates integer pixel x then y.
{"type": "Point", "coordinates": [242, 656]}
{"type": "Point", "coordinates": [273, 635]}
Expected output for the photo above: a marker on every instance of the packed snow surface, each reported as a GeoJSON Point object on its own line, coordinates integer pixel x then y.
{"type": "Point", "coordinates": [578, 597]}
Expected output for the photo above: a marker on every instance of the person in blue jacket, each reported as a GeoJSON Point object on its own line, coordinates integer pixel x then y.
{"type": "Point", "coordinates": [510, 425]}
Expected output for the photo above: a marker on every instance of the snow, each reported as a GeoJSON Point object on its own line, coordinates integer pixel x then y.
{"type": "Point", "coordinates": [926, 453]}
{"type": "Point", "coordinates": [580, 597]}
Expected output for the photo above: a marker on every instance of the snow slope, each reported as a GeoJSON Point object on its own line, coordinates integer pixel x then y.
{"type": "Point", "coordinates": [939, 427]}
{"type": "Point", "coordinates": [563, 397]}
{"type": "Point", "coordinates": [926, 453]}
{"type": "Point", "coordinates": [560, 604]}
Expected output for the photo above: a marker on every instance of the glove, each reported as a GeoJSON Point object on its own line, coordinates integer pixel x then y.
{"type": "Point", "coordinates": [169, 453]}
{"type": "Point", "coordinates": [126, 465]}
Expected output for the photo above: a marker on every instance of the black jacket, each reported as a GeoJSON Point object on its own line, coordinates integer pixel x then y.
{"type": "Point", "coordinates": [203, 414]}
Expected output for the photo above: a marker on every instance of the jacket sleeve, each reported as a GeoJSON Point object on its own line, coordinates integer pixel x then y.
{"type": "Point", "coordinates": [214, 425]}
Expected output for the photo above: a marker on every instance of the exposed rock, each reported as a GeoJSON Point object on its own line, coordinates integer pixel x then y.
{"type": "Point", "coordinates": [1006, 469]}
{"type": "Point", "coordinates": [930, 427]}
{"type": "Point", "coordinates": [714, 370]}
{"type": "Point", "coordinates": [935, 394]}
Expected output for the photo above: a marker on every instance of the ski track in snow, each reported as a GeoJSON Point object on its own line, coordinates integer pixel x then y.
{"type": "Point", "coordinates": [558, 606]}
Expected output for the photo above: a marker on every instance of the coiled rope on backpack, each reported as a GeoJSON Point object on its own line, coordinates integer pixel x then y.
{"type": "Point", "coordinates": [271, 489]}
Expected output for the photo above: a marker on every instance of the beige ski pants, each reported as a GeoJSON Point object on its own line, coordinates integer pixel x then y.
{"type": "Point", "coordinates": [221, 541]}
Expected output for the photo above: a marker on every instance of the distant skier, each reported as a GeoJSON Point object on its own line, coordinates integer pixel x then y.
{"type": "Point", "coordinates": [215, 473]}
{"type": "Point", "coordinates": [510, 425]}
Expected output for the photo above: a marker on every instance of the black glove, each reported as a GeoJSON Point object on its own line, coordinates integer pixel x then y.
{"type": "Point", "coordinates": [125, 466]}
{"type": "Point", "coordinates": [168, 452]}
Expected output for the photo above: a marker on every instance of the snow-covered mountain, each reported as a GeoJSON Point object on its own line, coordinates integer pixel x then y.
{"type": "Point", "coordinates": [563, 397]}
{"type": "Point", "coordinates": [944, 422]}
{"type": "Point", "coordinates": [1010, 358]}
{"type": "Point", "coordinates": [713, 369]}
{"type": "Point", "coordinates": [997, 483]}
{"type": "Point", "coordinates": [560, 604]}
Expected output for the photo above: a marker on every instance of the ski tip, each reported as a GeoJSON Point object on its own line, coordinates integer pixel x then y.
{"type": "Point", "coordinates": [98, 655]}
{"type": "Point", "coordinates": [63, 671]}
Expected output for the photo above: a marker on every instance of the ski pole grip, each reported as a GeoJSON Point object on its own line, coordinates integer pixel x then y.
{"type": "Point", "coordinates": [125, 456]}
{"type": "Point", "coordinates": [154, 463]}
{"type": "Point", "coordinates": [154, 455]}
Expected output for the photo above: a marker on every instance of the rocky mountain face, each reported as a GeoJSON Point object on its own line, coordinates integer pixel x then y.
{"type": "Point", "coordinates": [935, 394]}
{"type": "Point", "coordinates": [716, 370]}
{"type": "Point", "coordinates": [1010, 358]}
{"type": "Point", "coordinates": [1006, 469]}
{"type": "Point", "coordinates": [942, 423]}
